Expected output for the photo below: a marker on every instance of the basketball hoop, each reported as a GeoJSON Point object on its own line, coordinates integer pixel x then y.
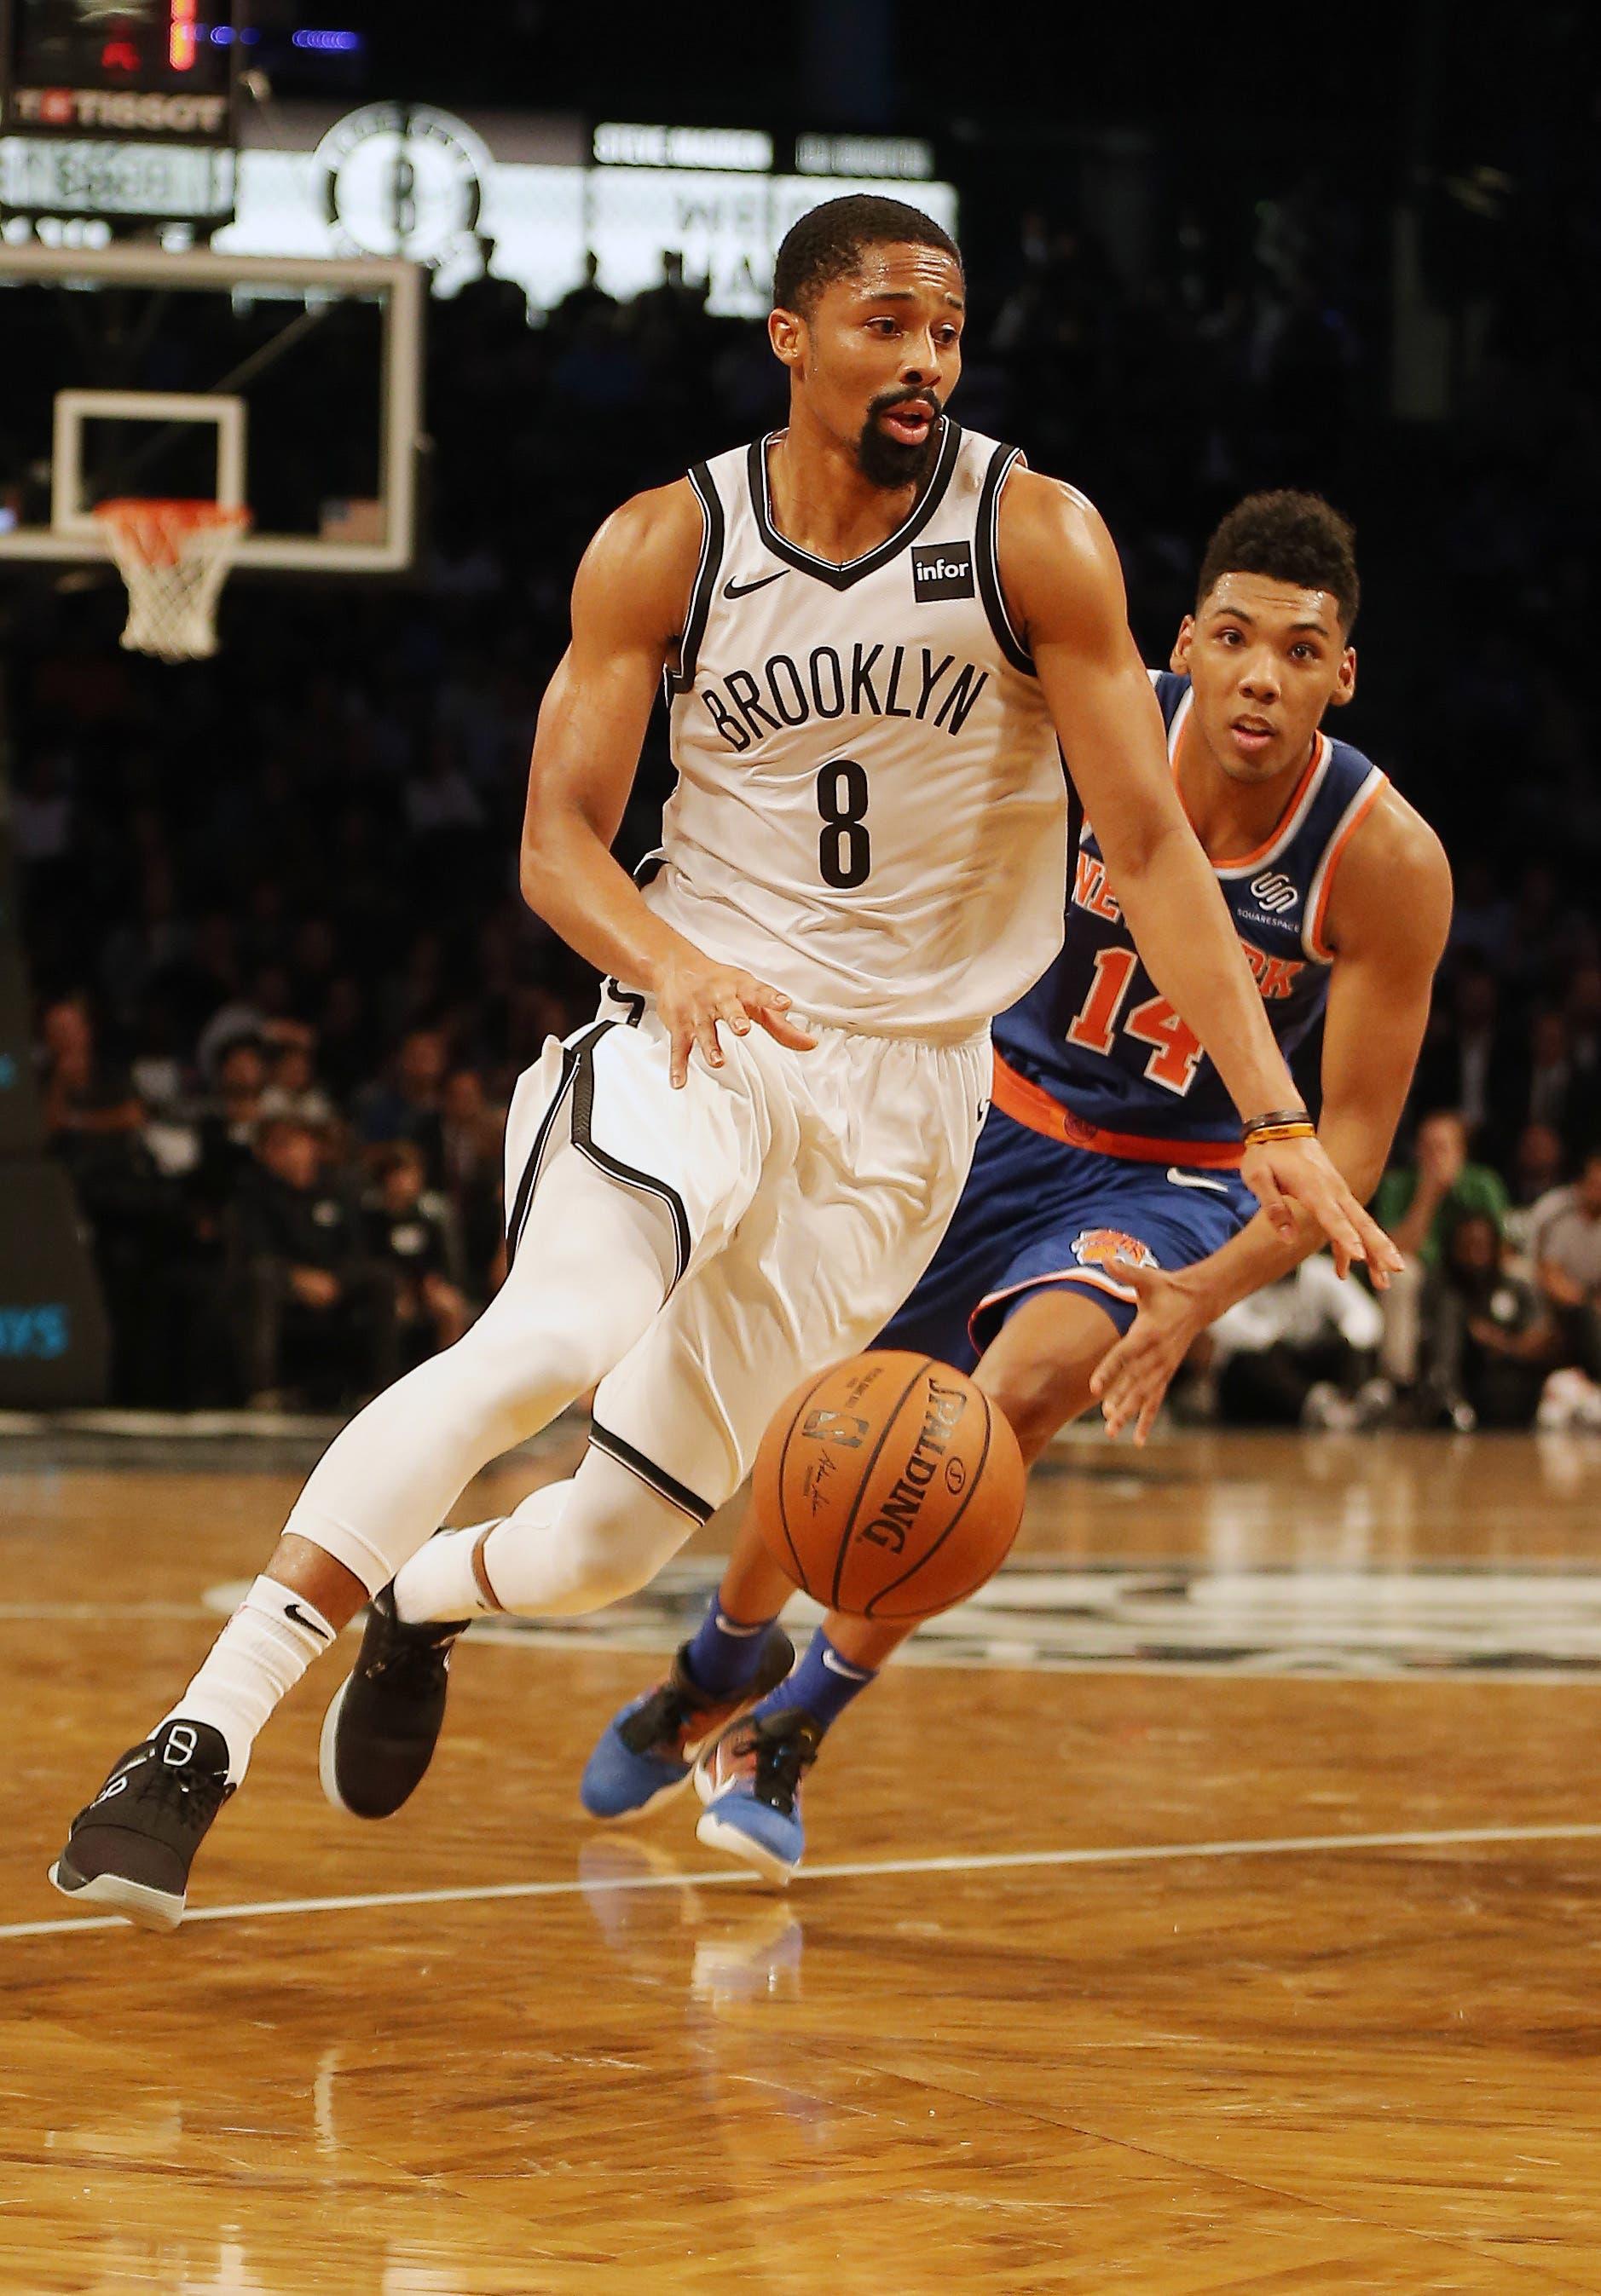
{"type": "Point", "coordinates": [175, 558]}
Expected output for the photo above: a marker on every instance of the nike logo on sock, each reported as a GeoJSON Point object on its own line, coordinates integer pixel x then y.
{"type": "Point", "coordinates": [733, 589]}
{"type": "Point", "coordinates": [726, 1625]}
{"type": "Point", "coordinates": [312, 1626]}
{"type": "Point", "coordinates": [851, 1673]}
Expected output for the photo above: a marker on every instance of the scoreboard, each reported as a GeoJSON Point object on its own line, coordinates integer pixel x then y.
{"type": "Point", "coordinates": [129, 67]}
{"type": "Point", "coordinates": [122, 110]}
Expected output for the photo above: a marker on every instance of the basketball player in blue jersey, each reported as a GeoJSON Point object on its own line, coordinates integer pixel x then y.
{"type": "Point", "coordinates": [1104, 1222]}
{"type": "Point", "coordinates": [874, 629]}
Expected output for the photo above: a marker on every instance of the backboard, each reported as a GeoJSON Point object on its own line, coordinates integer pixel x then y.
{"type": "Point", "coordinates": [291, 386]}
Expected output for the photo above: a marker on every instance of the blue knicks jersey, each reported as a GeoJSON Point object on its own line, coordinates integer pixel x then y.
{"type": "Point", "coordinates": [1094, 1033]}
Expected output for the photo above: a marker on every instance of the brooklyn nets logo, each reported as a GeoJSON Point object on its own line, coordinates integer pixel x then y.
{"type": "Point", "coordinates": [407, 179]}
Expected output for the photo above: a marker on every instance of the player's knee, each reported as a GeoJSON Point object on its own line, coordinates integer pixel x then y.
{"type": "Point", "coordinates": [1038, 1368]}
{"type": "Point", "coordinates": [1038, 1394]}
{"type": "Point", "coordinates": [617, 1534]}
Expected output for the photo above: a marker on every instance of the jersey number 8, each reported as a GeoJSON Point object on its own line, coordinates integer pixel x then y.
{"type": "Point", "coordinates": [844, 851]}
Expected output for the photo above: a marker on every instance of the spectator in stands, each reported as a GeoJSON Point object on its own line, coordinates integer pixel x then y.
{"type": "Point", "coordinates": [410, 1230]}
{"type": "Point", "coordinates": [86, 1098]}
{"type": "Point", "coordinates": [1539, 1161]}
{"type": "Point", "coordinates": [1487, 1339]}
{"type": "Point", "coordinates": [1583, 1010]}
{"type": "Point", "coordinates": [1544, 1085]}
{"type": "Point", "coordinates": [227, 1131]}
{"type": "Point", "coordinates": [1301, 1354]}
{"type": "Point", "coordinates": [1419, 1204]}
{"type": "Point", "coordinates": [95, 1120]}
{"type": "Point", "coordinates": [1565, 1244]}
{"type": "Point", "coordinates": [409, 1106]}
{"type": "Point", "coordinates": [291, 1087]}
{"type": "Point", "coordinates": [471, 1140]}
{"type": "Point", "coordinates": [1463, 1051]}
{"type": "Point", "coordinates": [315, 1313]}
{"type": "Point", "coordinates": [1537, 1164]}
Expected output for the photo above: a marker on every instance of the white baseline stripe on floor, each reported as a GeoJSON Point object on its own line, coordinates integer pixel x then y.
{"type": "Point", "coordinates": [984, 1862]}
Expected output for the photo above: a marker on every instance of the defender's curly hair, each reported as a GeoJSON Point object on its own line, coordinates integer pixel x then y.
{"type": "Point", "coordinates": [827, 244]}
{"type": "Point", "coordinates": [1289, 538]}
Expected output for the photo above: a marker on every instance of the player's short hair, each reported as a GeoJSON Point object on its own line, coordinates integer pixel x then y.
{"type": "Point", "coordinates": [1289, 538]}
{"type": "Point", "coordinates": [828, 242]}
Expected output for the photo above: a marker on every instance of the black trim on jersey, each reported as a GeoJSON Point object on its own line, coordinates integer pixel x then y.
{"type": "Point", "coordinates": [984, 554]}
{"type": "Point", "coordinates": [712, 531]}
{"type": "Point", "coordinates": [843, 578]}
{"type": "Point", "coordinates": [578, 1079]}
{"type": "Point", "coordinates": [613, 988]}
{"type": "Point", "coordinates": [1075, 826]}
{"type": "Point", "coordinates": [665, 1486]}
{"type": "Point", "coordinates": [613, 1167]}
{"type": "Point", "coordinates": [517, 1217]}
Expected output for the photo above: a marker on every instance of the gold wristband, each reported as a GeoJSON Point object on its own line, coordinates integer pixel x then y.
{"type": "Point", "coordinates": [1261, 1135]}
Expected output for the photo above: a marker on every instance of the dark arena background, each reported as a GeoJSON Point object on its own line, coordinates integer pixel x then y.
{"type": "Point", "coordinates": [1212, 1902]}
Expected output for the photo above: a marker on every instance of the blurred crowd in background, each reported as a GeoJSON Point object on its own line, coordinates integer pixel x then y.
{"type": "Point", "coordinates": [285, 979]}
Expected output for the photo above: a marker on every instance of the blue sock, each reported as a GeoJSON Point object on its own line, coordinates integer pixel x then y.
{"type": "Point", "coordinates": [822, 1685]}
{"type": "Point", "coordinates": [723, 1653]}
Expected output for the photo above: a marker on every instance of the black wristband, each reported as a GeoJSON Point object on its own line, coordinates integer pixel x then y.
{"type": "Point", "coordinates": [1271, 1121]}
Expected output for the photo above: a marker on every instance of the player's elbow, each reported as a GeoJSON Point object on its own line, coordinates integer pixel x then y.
{"type": "Point", "coordinates": [537, 873]}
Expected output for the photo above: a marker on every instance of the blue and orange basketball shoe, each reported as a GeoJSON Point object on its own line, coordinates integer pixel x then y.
{"type": "Point", "coordinates": [647, 1751]}
{"type": "Point", "coordinates": [750, 1780]}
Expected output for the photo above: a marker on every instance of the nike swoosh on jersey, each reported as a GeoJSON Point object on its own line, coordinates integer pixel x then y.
{"type": "Point", "coordinates": [733, 589]}
{"type": "Point", "coordinates": [1195, 1180]}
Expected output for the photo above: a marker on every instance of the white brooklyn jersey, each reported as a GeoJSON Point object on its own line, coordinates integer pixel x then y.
{"type": "Point", "coordinates": [871, 809]}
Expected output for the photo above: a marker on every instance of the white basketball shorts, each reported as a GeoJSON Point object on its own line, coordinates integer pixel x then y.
{"type": "Point", "coordinates": [802, 1196]}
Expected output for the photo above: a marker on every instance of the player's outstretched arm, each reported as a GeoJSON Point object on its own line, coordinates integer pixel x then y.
{"type": "Point", "coordinates": [628, 604]}
{"type": "Point", "coordinates": [1065, 588]}
{"type": "Point", "coordinates": [1389, 915]}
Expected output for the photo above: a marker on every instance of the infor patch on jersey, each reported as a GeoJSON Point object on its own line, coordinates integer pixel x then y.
{"type": "Point", "coordinates": [1104, 1247]}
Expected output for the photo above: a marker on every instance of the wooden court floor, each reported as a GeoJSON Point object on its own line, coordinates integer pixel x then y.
{"type": "Point", "coordinates": [1227, 1918]}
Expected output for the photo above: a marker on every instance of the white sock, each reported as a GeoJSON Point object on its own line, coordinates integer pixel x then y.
{"type": "Point", "coordinates": [440, 1582]}
{"type": "Point", "coordinates": [260, 1654]}
{"type": "Point", "coordinates": [570, 1547]}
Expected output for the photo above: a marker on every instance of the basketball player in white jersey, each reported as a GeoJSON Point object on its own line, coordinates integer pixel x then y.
{"type": "Point", "coordinates": [875, 629]}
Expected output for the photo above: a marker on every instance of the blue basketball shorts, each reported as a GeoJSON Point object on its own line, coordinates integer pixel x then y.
{"type": "Point", "coordinates": [1037, 1212]}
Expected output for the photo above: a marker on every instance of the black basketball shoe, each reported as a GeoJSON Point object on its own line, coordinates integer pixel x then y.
{"type": "Point", "coordinates": [132, 1848]}
{"type": "Point", "coordinates": [381, 1730]}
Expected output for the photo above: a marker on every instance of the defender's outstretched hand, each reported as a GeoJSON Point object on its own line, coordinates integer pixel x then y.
{"type": "Point", "coordinates": [1132, 1377]}
{"type": "Point", "coordinates": [1284, 1174]}
{"type": "Point", "coordinates": [695, 994]}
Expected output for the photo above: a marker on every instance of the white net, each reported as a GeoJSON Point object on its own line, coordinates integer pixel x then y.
{"type": "Point", "coordinates": [175, 558]}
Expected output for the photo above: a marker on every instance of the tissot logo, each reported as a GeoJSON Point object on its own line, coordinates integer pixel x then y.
{"type": "Point", "coordinates": [124, 108]}
{"type": "Point", "coordinates": [941, 570]}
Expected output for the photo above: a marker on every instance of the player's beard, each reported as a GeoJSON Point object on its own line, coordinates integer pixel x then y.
{"type": "Point", "coordinates": [885, 461]}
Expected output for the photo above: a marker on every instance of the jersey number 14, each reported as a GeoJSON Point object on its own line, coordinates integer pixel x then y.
{"type": "Point", "coordinates": [1174, 1047]}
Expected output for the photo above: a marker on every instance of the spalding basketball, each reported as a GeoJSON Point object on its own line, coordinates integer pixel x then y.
{"type": "Point", "coordinates": [889, 1487]}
